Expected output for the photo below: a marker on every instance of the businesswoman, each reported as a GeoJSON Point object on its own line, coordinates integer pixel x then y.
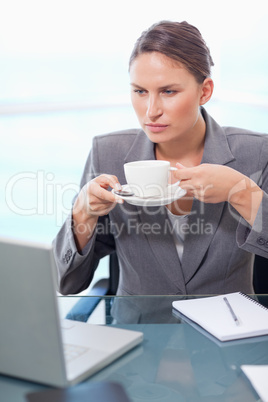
{"type": "Point", "coordinates": [201, 243]}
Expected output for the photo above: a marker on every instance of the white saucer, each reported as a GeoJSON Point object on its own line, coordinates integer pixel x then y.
{"type": "Point", "coordinates": [173, 194]}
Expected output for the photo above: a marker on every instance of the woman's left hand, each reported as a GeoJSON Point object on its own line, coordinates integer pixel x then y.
{"type": "Point", "coordinates": [209, 183]}
{"type": "Point", "coordinates": [216, 183]}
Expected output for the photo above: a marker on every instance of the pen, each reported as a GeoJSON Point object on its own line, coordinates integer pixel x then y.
{"type": "Point", "coordinates": [231, 311]}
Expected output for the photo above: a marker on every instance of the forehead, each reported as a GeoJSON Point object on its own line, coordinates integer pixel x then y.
{"type": "Point", "coordinates": [155, 65]}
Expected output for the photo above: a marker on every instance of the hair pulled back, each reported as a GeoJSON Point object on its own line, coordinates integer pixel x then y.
{"type": "Point", "coordinates": [179, 41]}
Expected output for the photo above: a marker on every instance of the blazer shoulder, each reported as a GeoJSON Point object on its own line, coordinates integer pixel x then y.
{"type": "Point", "coordinates": [244, 134]}
{"type": "Point", "coordinates": [250, 141]}
{"type": "Point", "coordinates": [122, 137]}
{"type": "Point", "coordinates": [109, 150]}
{"type": "Point", "coordinates": [249, 148]}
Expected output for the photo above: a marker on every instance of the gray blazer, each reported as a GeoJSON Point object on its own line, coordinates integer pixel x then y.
{"type": "Point", "coordinates": [218, 247]}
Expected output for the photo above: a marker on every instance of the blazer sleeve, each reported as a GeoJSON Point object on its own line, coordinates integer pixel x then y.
{"type": "Point", "coordinates": [255, 239]}
{"type": "Point", "coordinates": [76, 270]}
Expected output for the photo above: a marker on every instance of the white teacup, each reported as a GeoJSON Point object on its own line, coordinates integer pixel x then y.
{"type": "Point", "coordinates": [149, 178]}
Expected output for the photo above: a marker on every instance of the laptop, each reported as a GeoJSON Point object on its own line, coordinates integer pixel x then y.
{"type": "Point", "coordinates": [35, 344]}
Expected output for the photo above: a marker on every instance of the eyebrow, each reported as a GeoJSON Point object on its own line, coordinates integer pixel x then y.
{"type": "Point", "coordinates": [160, 88]}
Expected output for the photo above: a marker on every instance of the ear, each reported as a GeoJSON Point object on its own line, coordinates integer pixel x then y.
{"type": "Point", "coordinates": [206, 91]}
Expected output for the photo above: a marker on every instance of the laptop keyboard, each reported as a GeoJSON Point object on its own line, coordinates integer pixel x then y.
{"type": "Point", "coordinates": [73, 351]}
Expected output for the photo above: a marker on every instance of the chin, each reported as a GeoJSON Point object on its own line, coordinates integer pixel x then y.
{"type": "Point", "coordinates": [158, 138]}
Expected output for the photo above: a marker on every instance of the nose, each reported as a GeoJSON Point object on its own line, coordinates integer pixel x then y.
{"type": "Point", "coordinates": [154, 108]}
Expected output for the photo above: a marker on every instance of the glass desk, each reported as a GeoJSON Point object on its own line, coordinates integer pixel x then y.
{"type": "Point", "coordinates": [175, 362]}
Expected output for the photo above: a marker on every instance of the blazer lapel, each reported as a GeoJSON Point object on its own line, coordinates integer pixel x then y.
{"type": "Point", "coordinates": [202, 225]}
{"type": "Point", "coordinates": [162, 244]}
{"type": "Point", "coordinates": [205, 218]}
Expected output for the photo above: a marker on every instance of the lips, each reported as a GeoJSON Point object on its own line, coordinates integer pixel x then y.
{"type": "Point", "coordinates": [156, 128]}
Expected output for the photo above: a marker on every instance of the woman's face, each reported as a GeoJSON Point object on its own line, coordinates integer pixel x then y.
{"type": "Point", "coordinates": [165, 97]}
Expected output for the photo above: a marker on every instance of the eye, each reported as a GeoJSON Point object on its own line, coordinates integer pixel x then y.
{"type": "Point", "coordinates": [169, 92]}
{"type": "Point", "coordinates": [139, 91]}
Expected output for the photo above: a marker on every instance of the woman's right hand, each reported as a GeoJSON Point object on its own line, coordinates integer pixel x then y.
{"type": "Point", "coordinates": [94, 200]}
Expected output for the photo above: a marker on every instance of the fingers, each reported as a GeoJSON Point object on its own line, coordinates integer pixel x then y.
{"type": "Point", "coordinates": [191, 180]}
{"type": "Point", "coordinates": [183, 173]}
{"type": "Point", "coordinates": [106, 181]}
{"type": "Point", "coordinates": [94, 199]}
{"type": "Point", "coordinates": [207, 182]}
{"type": "Point", "coordinates": [98, 188]}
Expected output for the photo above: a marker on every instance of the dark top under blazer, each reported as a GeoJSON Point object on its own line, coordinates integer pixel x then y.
{"type": "Point", "coordinates": [216, 259]}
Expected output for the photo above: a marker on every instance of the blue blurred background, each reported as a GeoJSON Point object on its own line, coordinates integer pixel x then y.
{"type": "Point", "coordinates": [64, 79]}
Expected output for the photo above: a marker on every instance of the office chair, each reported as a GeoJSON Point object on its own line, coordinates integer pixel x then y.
{"type": "Point", "coordinates": [260, 276]}
{"type": "Point", "coordinates": [104, 287]}
{"type": "Point", "coordinates": [260, 279]}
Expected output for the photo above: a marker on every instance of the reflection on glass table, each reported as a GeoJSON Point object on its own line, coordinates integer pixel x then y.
{"type": "Point", "coordinates": [175, 362]}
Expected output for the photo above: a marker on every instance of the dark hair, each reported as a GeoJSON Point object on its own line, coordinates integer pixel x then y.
{"type": "Point", "coordinates": [179, 41]}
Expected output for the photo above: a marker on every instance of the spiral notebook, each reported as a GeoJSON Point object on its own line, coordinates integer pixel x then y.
{"type": "Point", "coordinates": [227, 317]}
